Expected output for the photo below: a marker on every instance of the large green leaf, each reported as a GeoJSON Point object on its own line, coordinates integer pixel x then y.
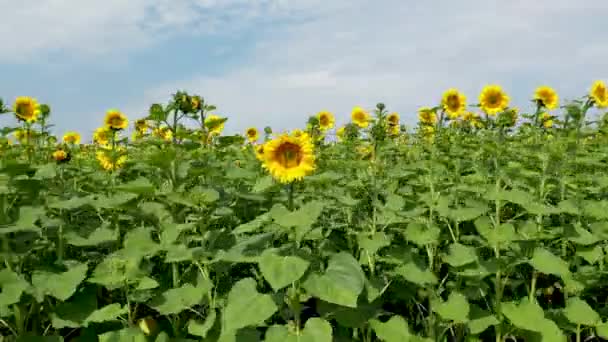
{"type": "Point", "coordinates": [176, 300]}
{"type": "Point", "coordinates": [548, 263]}
{"type": "Point", "coordinates": [460, 255]}
{"type": "Point", "coordinates": [246, 307]}
{"type": "Point", "coordinates": [13, 285]}
{"type": "Point", "coordinates": [302, 219]}
{"type": "Point", "coordinates": [455, 309]}
{"type": "Point", "coordinates": [202, 329]}
{"type": "Point", "coordinates": [281, 271]}
{"type": "Point", "coordinates": [393, 330]}
{"type": "Point", "coordinates": [579, 312]}
{"type": "Point", "coordinates": [421, 234]}
{"type": "Point", "coordinates": [316, 329]}
{"type": "Point", "coordinates": [341, 283]}
{"type": "Point", "coordinates": [59, 285]}
{"type": "Point", "coordinates": [413, 273]}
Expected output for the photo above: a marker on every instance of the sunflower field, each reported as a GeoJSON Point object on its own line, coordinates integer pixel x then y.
{"type": "Point", "coordinates": [482, 223]}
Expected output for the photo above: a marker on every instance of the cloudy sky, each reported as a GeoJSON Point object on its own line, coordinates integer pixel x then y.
{"type": "Point", "coordinates": [274, 62]}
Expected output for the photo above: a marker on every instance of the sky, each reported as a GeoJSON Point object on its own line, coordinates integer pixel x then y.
{"type": "Point", "coordinates": [276, 62]}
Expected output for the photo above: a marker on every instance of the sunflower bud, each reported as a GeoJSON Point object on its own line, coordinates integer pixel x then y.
{"type": "Point", "coordinates": [380, 106]}
{"type": "Point", "coordinates": [268, 130]}
{"type": "Point", "coordinates": [157, 112]}
{"type": "Point", "coordinates": [45, 110]}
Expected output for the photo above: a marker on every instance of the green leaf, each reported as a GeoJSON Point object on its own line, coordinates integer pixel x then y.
{"type": "Point", "coordinates": [316, 329]}
{"type": "Point", "coordinates": [301, 219]}
{"type": "Point", "coordinates": [460, 255]}
{"type": "Point", "coordinates": [13, 285]}
{"type": "Point", "coordinates": [394, 330]}
{"type": "Point", "coordinates": [59, 285]}
{"type": "Point", "coordinates": [372, 244]}
{"type": "Point", "coordinates": [581, 236]}
{"type": "Point", "coordinates": [100, 235]}
{"type": "Point", "coordinates": [262, 184]}
{"type": "Point", "coordinates": [72, 203]}
{"type": "Point", "coordinates": [252, 225]}
{"type": "Point", "coordinates": [281, 271]}
{"type": "Point", "coordinates": [455, 309]}
{"type": "Point", "coordinates": [464, 214]}
{"type": "Point", "coordinates": [177, 253]}
{"type": "Point", "coordinates": [246, 307]}
{"type": "Point", "coordinates": [202, 329]}
{"type": "Point", "coordinates": [176, 300]}
{"type": "Point", "coordinates": [579, 312]}
{"type": "Point", "coordinates": [341, 283]}
{"type": "Point", "coordinates": [526, 315]}
{"type": "Point", "coordinates": [106, 314]}
{"type": "Point", "coordinates": [591, 254]}
{"type": "Point", "coordinates": [412, 273]}
{"type": "Point", "coordinates": [596, 209]}
{"type": "Point", "coordinates": [602, 330]}
{"type": "Point", "coordinates": [140, 186]}
{"type": "Point", "coordinates": [480, 320]}
{"type": "Point", "coordinates": [422, 235]}
{"type": "Point", "coordinates": [138, 243]}
{"type": "Point", "coordinates": [546, 262]}
{"type": "Point", "coordinates": [124, 335]}
{"type": "Point", "coordinates": [46, 171]}
{"type": "Point", "coordinates": [28, 216]}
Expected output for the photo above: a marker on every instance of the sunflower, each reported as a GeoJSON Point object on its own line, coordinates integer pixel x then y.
{"type": "Point", "coordinates": [546, 97]}
{"type": "Point", "coordinates": [259, 152]}
{"type": "Point", "coordinates": [326, 120]}
{"type": "Point", "coordinates": [393, 119]}
{"type": "Point", "coordinates": [473, 119]}
{"type": "Point", "coordinates": [547, 120]}
{"type": "Point", "coordinates": [141, 126]}
{"type": "Point", "coordinates": [23, 135]}
{"type": "Point", "coordinates": [195, 101]}
{"type": "Point", "coordinates": [340, 133]}
{"type": "Point", "coordinates": [102, 136]}
{"type": "Point", "coordinates": [60, 156]}
{"type": "Point", "coordinates": [427, 116]}
{"type": "Point", "coordinates": [289, 158]}
{"type": "Point", "coordinates": [252, 134]}
{"type": "Point", "coordinates": [360, 117]}
{"type": "Point", "coordinates": [163, 132]}
{"type": "Point", "coordinates": [453, 102]}
{"type": "Point", "coordinates": [112, 160]}
{"type": "Point", "coordinates": [393, 130]}
{"type": "Point", "coordinates": [71, 138]}
{"type": "Point", "coordinates": [116, 120]}
{"type": "Point", "coordinates": [493, 99]}
{"type": "Point", "coordinates": [215, 124]}
{"type": "Point", "coordinates": [599, 94]}
{"type": "Point", "coordinates": [26, 109]}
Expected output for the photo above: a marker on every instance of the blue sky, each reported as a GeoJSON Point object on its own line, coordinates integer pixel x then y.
{"type": "Point", "coordinates": [274, 62]}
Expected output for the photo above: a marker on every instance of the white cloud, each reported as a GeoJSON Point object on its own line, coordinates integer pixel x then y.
{"type": "Point", "coordinates": [406, 54]}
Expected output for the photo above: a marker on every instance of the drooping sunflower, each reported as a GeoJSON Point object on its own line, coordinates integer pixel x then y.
{"type": "Point", "coordinates": [547, 97]}
{"type": "Point", "coordinates": [116, 120]}
{"type": "Point", "coordinates": [393, 119]}
{"type": "Point", "coordinates": [473, 119]}
{"type": "Point", "coordinates": [453, 102]}
{"type": "Point", "coordinates": [288, 158]}
{"type": "Point", "coordinates": [215, 124]}
{"type": "Point", "coordinates": [252, 134]}
{"type": "Point", "coordinates": [163, 132]}
{"type": "Point", "coordinates": [599, 94]}
{"type": "Point", "coordinates": [112, 159]}
{"type": "Point", "coordinates": [360, 117]}
{"type": "Point", "coordinates": [102, 136]}
{"type": "Point", "coordinates": [259, 152]}
{"type": "Point", "coordinates": [26, 109]}
{"type": "Point", "coordinates": [427, 116]}
{"type": "Point", "coordinates": [71, 138]}
{"type": "Point", "coordinates": [141, 126]}
{"type": "Point", "coordinates": [60, 156]}
{"type": "Point", "coordinates": [326, 120]}
{"type": "Point", "coordinates": [393, 130]}
{"type": "Point", "coordinates": [493, 99]}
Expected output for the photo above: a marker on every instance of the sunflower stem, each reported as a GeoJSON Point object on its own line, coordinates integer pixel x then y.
{"type": "Point", "coordinates": [290, 190]}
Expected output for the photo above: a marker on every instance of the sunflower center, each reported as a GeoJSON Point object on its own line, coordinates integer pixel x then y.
{"type": "Point", "coordinates": [493, 99]}
{"type": "Point", "coordinates": [601, 93]}
{"type": "Point", "coordinates": [359, 116]}
{"type": "Point", "coordinates": [453, 102]}
{"type": "Point", "coordinates": [25, 109]}
{"type": "Point", "coordinates": [324, 120]}
{"type": "Point", "coordinates": [251, 133]}
{"type": "Point", "coordinates": [289, 155]}
{"type": "Point", "coordinates": [115, 121]}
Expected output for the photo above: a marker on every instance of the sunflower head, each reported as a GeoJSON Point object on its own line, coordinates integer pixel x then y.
{"type": "Point", "coordinates": [23, 136]}
{"type": "Point", "coordinates": [71, 138]}
{"type": "Point", "coordinates": [340, 133]}
{"type": "Point", "coordinates": [163, 132]}
{"type": "Point", "coordinates": [116, 120]}
{"type": "Point", "coordinates": [493, 99]}
{"type": "Point", "coordinates": [102, 136]}
{"type": "Point", "coordinates": [393, 119]}
{"type": "Point", "coordinates": [26, 109]}
{"type": "Point", "coordinates": [252, 134]}
{"type": "Point", "coordinates": [453, 102]}
{"type": "Point", "coordinates": [259, 152]}
{"type": "Point", "coordinates": [427, 116]}
{"type": "Point", "coordinates": [360, 117]}
{"type": "Point", "coordinates": [326, 120]}
{"type": "Point", "coordinates": [215, 124]}
{"type": "Point", "coordinates": [61, 156]}
{"type": "Point", "coordinates": [112, 159]}
{"type": "Point", "coordinates": [393, 130]}
{"type": "Point", "coordinates": [546, 97]}
{"type": "Point", "coordinates": [196, 103]}
{"type": "Point", "coordinates": [289, 158]}
{"type": "Point", "coordinates": [599, 94]}
{"type": "Point", "coordinates": [141, 125]}
{"type": "Point", "coordinates": [547, 120]}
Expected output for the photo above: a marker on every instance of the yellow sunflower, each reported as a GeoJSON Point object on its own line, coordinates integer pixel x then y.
{"type": "Point", "coordinates": [259, 152]}
{"type": "Point", "coordinates": [141, 125]}
{"type": "Point", "coordinates": [163, 132]}
{"type": "Point", "coordinates": [360, 117]}
{"type": "Point", "coordinates": [394, 130]}
{"type": "Point", "coordinates": [252, 134]}
{"type": "Point", "coordinates": [599, 94]}
{"type": "Point", "coordinates": [71, 138]}
{"type": "Point", "coordinates": [326, 120]}
{"type": "Point", "coordinates": [547, 120]}
{"type": "Point", "coordinates": [60, 155]}
{"type": "Point", "coordinates": [453, 102]}
{"type": "Point", "coordinates": [340, 133]}
{"type": "Point", "coordinates": [547, 97]}
{"type": "Point", "coordinates": [23, 135]}
{"type": "Point", "coordinates": [427, 116]}
{"type": "Point", "coordinates": [102, 136]}
{"type": "Point", "coordinates": [26, 109]}
{"type": "Point", "coordinates": [116, 120]}
{"type": "Point", "coordinates": [288, 158]}
{"type": "Point", "coordinates": [393, 119]}
{"type": "Point", "coordinates": [214, 123]}
{"type": "Point", "coordinates": [112, 160]}
{"type": "Point", "coordinates": [493, 99]}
